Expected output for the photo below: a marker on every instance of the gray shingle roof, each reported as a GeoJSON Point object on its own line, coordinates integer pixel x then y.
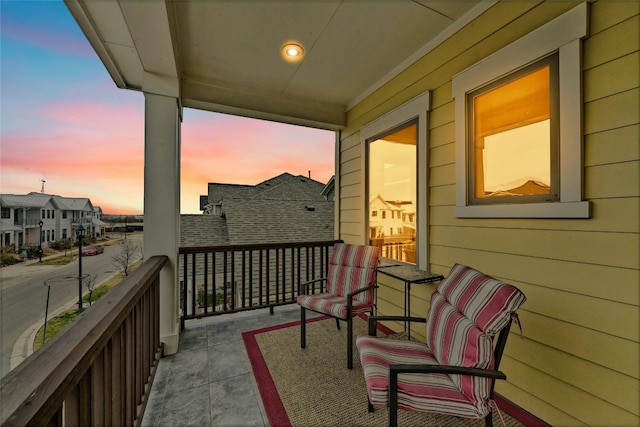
{"type": "Point", "coordinates": [33, 200]}
{"type": "Point", "coordinates": [217, 192]}
{"type": "Point", "coordinates": [285, 208]}
{"type": "Point", "coordinates": [203, 230]}
{"type": "Point", "coordinates": [278, 221]}
{"type": "Point", "coordinates": [282, 187]}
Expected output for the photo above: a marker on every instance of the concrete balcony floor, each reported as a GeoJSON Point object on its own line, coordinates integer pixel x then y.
{"type": "Point", "coordinates": [209, 382]}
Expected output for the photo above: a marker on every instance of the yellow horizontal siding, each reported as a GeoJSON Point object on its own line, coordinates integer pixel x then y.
{"type": "Point", "coordinates": [442, 114]}
{"type": "Point", "coordinates": [531, 403]}
{"type": "Point", "coordinates": [615, 318]}
{"type": "Point", "coordinates": [613, 146]}
{"type": "Point", "coordinates": [584, 407]}
{"type": "Point", "coordinates": [615, 111]}
{"type": "Point", "coordinates": [615, 76]}
{"type": "Point", "coordinates": [441, 136]}
{"type": "Point", "coordinates": [606, 14]}
{"type": "Point", "coordinates": [608, 283]}
{"type": "Point", "coordinates": [620, 389]}
{"type": "Point", "coordinates": [613, 180]}
{"type": "Point", "coordinates": [607, 249]}
{"type": "Point", "coordinates": [616, 353]}
{"type": "Point", "coordinates": [441, 155]}
{"type": "Point", "coordinates": [619, 40]}
{"type": "Point", "coordinates": [440, 196]}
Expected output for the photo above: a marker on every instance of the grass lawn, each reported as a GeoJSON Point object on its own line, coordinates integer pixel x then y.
{"type": "Point", "coordinates": [59, 260]}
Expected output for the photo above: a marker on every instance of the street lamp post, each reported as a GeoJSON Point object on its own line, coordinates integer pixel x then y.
{"type": "Point", "coordinates": [80, 234]}
{"type": "Point", "coordinates": [40, 246]}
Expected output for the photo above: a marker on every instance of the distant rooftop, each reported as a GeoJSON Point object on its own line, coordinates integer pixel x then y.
{"type": "Point", "coordinates": [286, 208]}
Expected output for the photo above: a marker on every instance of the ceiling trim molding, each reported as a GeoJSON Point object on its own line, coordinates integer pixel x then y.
{"type": "Point", "coordinates": [251, 103]}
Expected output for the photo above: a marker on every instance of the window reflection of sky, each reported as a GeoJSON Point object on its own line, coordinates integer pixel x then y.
{"type": "Point", "coordinates": [516, 156]}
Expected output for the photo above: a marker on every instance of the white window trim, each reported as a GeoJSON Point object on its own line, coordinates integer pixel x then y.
{"type": "Point", "coordinates": [562, 34]}
{"type": "Point", "coordinates": [418, 108]}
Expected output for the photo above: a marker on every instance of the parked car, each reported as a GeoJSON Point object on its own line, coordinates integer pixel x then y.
{"type": "Point", "coordinates": [92, 250]}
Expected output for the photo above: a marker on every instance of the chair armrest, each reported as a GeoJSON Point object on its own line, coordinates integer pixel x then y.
{"type": "Point", "coordinates": [368, 288]}
{"type": "Point", "coordinates": [350, 295]}
{"type": "Point", "coordinates": [374, 319]}
{"type": "Point", "coordinates": [394, 370]}
{"type": "Point", "coordinates": [305, 285]}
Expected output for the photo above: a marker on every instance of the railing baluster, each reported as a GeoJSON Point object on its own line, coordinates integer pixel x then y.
{"type": "Point", "coordinates": [260, 277]}
{"type": "Point", "coordinates": [250, 278]}
{"type": "Point", "coordinates": [194, 287]}
{"type": "Point", "coordinates": [184, 290]}
{"type": "Point", "coordinates": [277, 275]}
{"type": "Point", "coordinates": [299, 272]}
{"type": "Point", "coordinates": [243, 278]}
{"type": "Point", "coordinates": [268, 284]}
{"type": "Point", "coordinates": [214, 287]}
{"type": "Point", "coordinates": [225, 282]}
{"type": "Point", "coordinates": [233, 280]}
{"type": "Point", "coordinates": [205, 296]}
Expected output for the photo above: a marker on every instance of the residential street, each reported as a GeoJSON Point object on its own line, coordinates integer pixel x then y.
{"type": "Point", "coordinates": [23, 297]}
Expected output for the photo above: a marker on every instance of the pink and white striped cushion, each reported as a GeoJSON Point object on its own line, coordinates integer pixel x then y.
{"type": "Point", "coordinates": [486, 301]}
{"type": "Point", "coordinates": [417, 392]}
{"type": "Point", "coordinates": [457, 341]}
{"type": "Point", "coordinates": [352, 267]}
{"type": "Point", "coordinates": [332, 305]}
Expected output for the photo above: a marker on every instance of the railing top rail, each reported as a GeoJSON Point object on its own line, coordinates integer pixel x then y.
{"type": "Point", "coordinates": [255, 246]}
{"type": "Point", "coordinates": [33, 391]}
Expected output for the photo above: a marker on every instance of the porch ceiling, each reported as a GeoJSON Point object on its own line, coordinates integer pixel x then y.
{"type": "Point", "coordinates": [224, 56]}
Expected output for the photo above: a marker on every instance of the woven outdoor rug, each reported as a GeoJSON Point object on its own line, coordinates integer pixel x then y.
{"type": "Point", "coordinates": [313, 387]}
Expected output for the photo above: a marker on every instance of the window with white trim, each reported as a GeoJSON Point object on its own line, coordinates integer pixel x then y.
{"type": "Point", "coordinates": [519, 127]}
{"type": "Point", "coordinates": [394, 151]}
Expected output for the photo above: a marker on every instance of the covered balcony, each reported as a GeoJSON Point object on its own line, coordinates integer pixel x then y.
{"type": "Point", "coordinates": [369, 70]}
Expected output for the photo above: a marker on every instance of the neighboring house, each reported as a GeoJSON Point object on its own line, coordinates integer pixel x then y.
{"type": "Point", "coordinates": [392, 226]}
{"type": "Point", "coordinates": [329, 190]}
{"type": "Point", "coordinates": [38, 218]}
{"type": "Point", "coordinates": [283, 209]}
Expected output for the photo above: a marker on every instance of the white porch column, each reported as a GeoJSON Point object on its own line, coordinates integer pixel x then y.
{"type": "Point", "coordinates": [162, 205]}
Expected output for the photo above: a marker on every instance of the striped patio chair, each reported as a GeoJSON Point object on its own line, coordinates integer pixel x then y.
{"type": "Point", "coordinates": [454, 371]}
{"type": "Point", "coordinates": [349, 289]}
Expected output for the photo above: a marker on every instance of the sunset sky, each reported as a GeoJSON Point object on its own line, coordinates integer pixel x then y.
{"type": "Point", "coordinates": [63, 120]}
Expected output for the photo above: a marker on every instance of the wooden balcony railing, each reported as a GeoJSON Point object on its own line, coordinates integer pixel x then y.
{"type": "Point", "coordinates": [99, 370]}
{"type": "Point", "coordinates": [222, 279]}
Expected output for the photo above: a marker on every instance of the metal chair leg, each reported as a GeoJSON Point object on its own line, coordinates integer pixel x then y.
{"type": "Point", "coordinates": [303, 325]}
{"type": "Point", "coordinates": [350, 343]}
{"type": "Point", "coordinates": [488, 420]}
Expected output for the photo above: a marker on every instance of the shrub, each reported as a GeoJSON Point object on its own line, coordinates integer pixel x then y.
{"type": "Point", "coordinates": [9, 259]}
{"type": "Point", "coordinates": [61, 245]}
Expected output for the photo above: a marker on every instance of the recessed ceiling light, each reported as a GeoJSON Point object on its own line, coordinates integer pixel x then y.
{"type": "Point", "coordinates": [292, 52]}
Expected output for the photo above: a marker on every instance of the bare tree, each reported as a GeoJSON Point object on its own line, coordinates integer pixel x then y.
{"type": "Point", "coordinates": [90, 283]}
{"type": "Point", "coordinates": [124, 258]}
